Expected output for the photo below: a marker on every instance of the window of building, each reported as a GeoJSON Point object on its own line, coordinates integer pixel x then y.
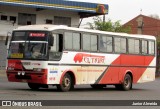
{"type": "Point", "coordinates": [151, 47]}
{"type": "Point", "coordinates": [120, 45]}
{"type": "Point", "coordinates": [144, 47]}
{"type": "Point", "coordinates": [105, 44]}
{"type": "Point", "coordinates": [12, 18]}
{"type": "Point", "coordinates": [26, 19]}
{"type": "Point", "coordinates": [48, 21]}
{"type": "Point", "coordinates": [133, 46]}
{"type": "Point", "coordinates": [3, 17]}
{"type": "Point", "coordinates": [62, 20]}
{"type": "Point", "coordinates": [72, 41]}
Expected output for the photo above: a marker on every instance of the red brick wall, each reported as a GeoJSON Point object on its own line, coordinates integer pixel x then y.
{"type": "Point", "coordinates": [151, 26]}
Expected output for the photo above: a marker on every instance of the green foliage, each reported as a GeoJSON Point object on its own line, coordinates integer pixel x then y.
{"type": "Point", "coordinates": [110, 26]}
{"type": "Point", "coordinates": [158, 44]}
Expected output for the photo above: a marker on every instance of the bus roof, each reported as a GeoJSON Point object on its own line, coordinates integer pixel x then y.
{"type": "Point", "coordinates": [47, 27]}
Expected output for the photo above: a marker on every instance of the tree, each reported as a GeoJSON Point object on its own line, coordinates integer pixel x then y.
{"type": "Point", "coordinates": [108, 25]}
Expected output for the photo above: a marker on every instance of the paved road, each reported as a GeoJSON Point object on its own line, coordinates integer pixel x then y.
{"type": "Point", "coordinates": [20, 91]}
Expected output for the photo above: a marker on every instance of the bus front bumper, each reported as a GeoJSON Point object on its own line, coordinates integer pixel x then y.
{"type": "Point", "coordinates": [28, 77]}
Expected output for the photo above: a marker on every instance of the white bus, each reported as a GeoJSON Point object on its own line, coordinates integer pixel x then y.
{"type": "Point", "coordinates": [43, 55]}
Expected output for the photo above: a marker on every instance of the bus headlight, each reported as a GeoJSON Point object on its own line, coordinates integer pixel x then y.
{"type": "Point", "coordinates": [19, 72]}
{"type": "Point", "coordinates": [23, 73]}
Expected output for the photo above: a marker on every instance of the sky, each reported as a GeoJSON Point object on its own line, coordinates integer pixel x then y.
{"type": "Point", "coordinates": [125, 10]}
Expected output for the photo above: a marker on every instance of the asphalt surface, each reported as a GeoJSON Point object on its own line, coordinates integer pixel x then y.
{"type": "Point", "coordinates": [21, 91]}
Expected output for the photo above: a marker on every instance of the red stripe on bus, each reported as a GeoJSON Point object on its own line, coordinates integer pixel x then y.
{"type": "Point", "coordinates": [16, 64]}
{"type": "Point", "coordinates": [115, 75]}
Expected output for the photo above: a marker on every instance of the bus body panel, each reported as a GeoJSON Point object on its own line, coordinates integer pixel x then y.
{"type": "Point", "coordinates": [133, 63]}
{"type": "Point", "coordinates": [27, 71]}
{"type": "Point", "coordinates": [87, 67]}
{"type": "Point", "coordinates": [149, 74]}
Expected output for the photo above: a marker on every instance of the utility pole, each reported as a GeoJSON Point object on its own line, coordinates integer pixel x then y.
{"type": "Point", "coordinates": [104, 17]}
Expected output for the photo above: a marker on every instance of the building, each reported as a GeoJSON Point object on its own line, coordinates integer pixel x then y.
{"type": "Point", "coordinates": [144, 25]}
{"type": "Point", "coordinates": [149, 26]}
{"type": "Point", "coordinates": [14, 13]}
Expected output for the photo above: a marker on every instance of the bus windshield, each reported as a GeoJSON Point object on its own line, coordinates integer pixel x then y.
{"type": "Point", "coordinates": [28, 45]}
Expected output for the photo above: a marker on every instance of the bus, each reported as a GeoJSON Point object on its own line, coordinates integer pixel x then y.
{"type": "Point", "coordinates": [42, 55]}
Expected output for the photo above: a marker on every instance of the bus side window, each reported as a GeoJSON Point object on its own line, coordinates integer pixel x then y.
{"type": "Point", "coordinates": [144, 47]}
{"type": "Point", "coordinates": [60, 42]}
{"type": "Point", "coordinates": [54, 47]}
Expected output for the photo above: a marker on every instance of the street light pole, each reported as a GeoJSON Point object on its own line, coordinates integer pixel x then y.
{"type": "Point", "coordinates": [104, 17]}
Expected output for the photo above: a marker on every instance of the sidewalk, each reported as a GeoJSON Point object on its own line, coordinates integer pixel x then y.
{"type": "Point", "coordinates": [2, 73]}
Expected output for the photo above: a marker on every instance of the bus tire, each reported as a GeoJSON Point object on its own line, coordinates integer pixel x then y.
{"type": "Point", "coordinates": [66, 84]}
{"type": "Point", "coordinates": [127, 83]}
{"type": "Point", "coordinates": [34, 86]}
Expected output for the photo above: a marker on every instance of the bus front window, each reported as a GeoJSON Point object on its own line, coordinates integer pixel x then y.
{"type": "Point", "coordinates": [28, 50]}
{"type": "Point", "coordinates": [35, 45]}
{"type": "Point", "coordinates": [16, 50]}
{"type": "Point", "coordinates": [28, 45]}
{"type": "Point", "coordinates": [36, 50]}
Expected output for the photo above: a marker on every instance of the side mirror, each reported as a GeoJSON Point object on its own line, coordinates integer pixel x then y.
{"type": "Point", "coordinates": [8, 34]}
{"type": "Point", "coordinates": [6, 42]}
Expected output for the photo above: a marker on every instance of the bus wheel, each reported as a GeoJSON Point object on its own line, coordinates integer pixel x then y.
{"type": "Point", "coordinates": [127, 83]}
{"type": "Point", "coordinates": [98, 86]}
{"type": "Point", "coordinates": [34, 86]}
{"type": "Point", "coordinates": [66, 84]}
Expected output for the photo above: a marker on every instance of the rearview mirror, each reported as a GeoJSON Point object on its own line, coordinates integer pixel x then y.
{"type": "Point", "coordinates": [8, 34]}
